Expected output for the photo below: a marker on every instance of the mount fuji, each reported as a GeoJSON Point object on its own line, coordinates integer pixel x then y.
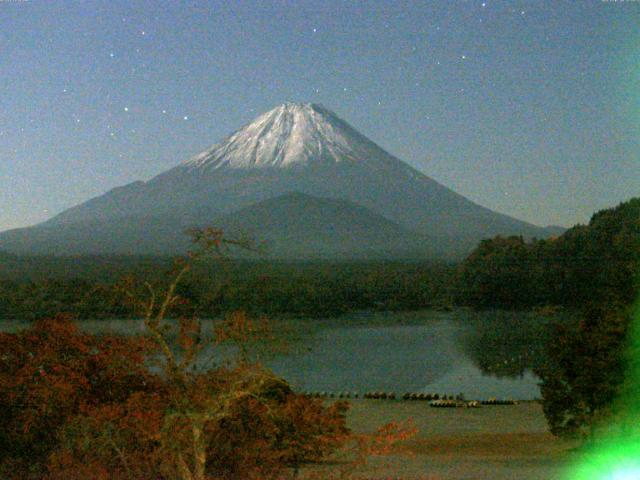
{"type": "Point", "coordinates": [298, 176]}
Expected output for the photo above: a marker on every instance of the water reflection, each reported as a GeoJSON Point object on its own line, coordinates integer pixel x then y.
{"type": "Point", "coordinates": [478, 354]}
{"type": "Point", "coordinates": [506, 344]}
{"type": "Point", "coordinates": [389, 358]}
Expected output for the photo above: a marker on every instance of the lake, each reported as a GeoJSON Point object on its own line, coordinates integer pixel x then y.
{"type": "Point", "coordinates": [481, 355]}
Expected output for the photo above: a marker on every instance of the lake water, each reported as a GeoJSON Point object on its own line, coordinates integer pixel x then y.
{"type": "Point", "coordinates": [479, 354]}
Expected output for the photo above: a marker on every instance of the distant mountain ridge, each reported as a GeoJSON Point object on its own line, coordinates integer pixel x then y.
{"type": "Point", "coordinates": [344, 229]}
{"type": "Point", "coordinates": [303, 148]}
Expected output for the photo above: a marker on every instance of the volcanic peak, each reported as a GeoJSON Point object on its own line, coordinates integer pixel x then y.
{"type": "Point", "coordinates": [291, 134]}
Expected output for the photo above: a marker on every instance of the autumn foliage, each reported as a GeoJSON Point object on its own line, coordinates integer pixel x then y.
{"type": "Point", "coordinates": [51, 373]}
{"type": "Point", "coordinates": [76, 405]}
{"type": "Point", "coordinates": [84, 406]}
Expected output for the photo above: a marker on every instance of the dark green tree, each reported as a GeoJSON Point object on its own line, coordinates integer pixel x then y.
{"type": "Point", "coordinates": [584, 369]}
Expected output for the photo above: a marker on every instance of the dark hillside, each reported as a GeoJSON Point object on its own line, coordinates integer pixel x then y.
{"type": "Point", "coordinates": [598, 262]}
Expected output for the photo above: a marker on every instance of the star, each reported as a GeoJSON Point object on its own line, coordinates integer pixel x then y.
{"type": "Point", "coordinates": [185, 118]}
{"type": "Point", "coordinates": [143, 32]}
{"type": "Point", "coordinates": [164, 111]}
{"type": "Point", "coordinates": [315, 30]}
{"type": "Point", "coordinates": [484, 5]}
{"type": "Point", "coordinates": [464, 57]}
{"type": "Point", "coordinates": [126, 109]}
{"type": "Point", "coordinates": [111, 55]}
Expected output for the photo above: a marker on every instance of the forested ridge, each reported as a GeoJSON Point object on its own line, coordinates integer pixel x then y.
{"type": "Point", "coordinates": [87, 287]}
{"type": "Point", "coordinates": [594, 263]}
{"type": "Point", "coordinates": [592, 271]}
{"type": "Point", "coordinates": [588, 263]}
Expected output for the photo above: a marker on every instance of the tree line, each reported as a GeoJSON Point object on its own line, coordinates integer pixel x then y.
{"type": "Point", "coordinates": [310, 289]}
{"type": "Point", "coordinates": [593, 271]}
{"type": "Point", "coordinates": [594, 263]}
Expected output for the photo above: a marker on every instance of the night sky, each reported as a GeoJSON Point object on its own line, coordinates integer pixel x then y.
{"type": "Point", "coordinates": [529, 108]}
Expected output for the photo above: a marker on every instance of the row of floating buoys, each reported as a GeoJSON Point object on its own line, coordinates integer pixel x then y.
{"type": "Point", "coordinates": [444, 403]}
{"type": "Point", "coordinates": [426, 396]}
{"type": "Point", "coordinates": [454, 404]}
{"type": "Point", "coordinates": [380, 395]}
{"type": "Point", "coordinates": [332, 394]}
{"type": "Point", "coordinates": [435, 399]}
{"type": "Point", "coordinates": [495, 401]}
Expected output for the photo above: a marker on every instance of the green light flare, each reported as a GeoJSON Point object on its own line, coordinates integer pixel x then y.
{"type": "Point", "coordinates": [609, 460]}
{"type": "Point", "coordinates": [615, 454]}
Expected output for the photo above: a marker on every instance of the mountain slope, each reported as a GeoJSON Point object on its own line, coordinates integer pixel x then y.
{"type": "Point", "coordinates": [293, 148]}
{"type": "Point", "coordinates": [301, 226]}
{"type": "Point", "coordinates": [287, 136]}
{"type": "Point", "coordinates": [293, 226]}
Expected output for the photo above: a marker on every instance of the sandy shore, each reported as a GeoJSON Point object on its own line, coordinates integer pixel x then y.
{"type": "Point", "coordinates": [492, 442]}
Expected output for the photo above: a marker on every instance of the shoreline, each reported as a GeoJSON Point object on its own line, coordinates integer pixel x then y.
{"type": "Point", "coordinates": [501, 443]}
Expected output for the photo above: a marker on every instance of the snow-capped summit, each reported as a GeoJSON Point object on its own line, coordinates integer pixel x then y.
{"type": "Point", "coordinates": [289, 135]}
{"type": "Point", "coordinates": [298, 173]}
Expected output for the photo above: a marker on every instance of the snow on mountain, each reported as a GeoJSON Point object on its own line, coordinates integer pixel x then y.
{"type": "Point", "coordinates": [296, 147]}
{"type": "Point", "coordinates": [292, 134]}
